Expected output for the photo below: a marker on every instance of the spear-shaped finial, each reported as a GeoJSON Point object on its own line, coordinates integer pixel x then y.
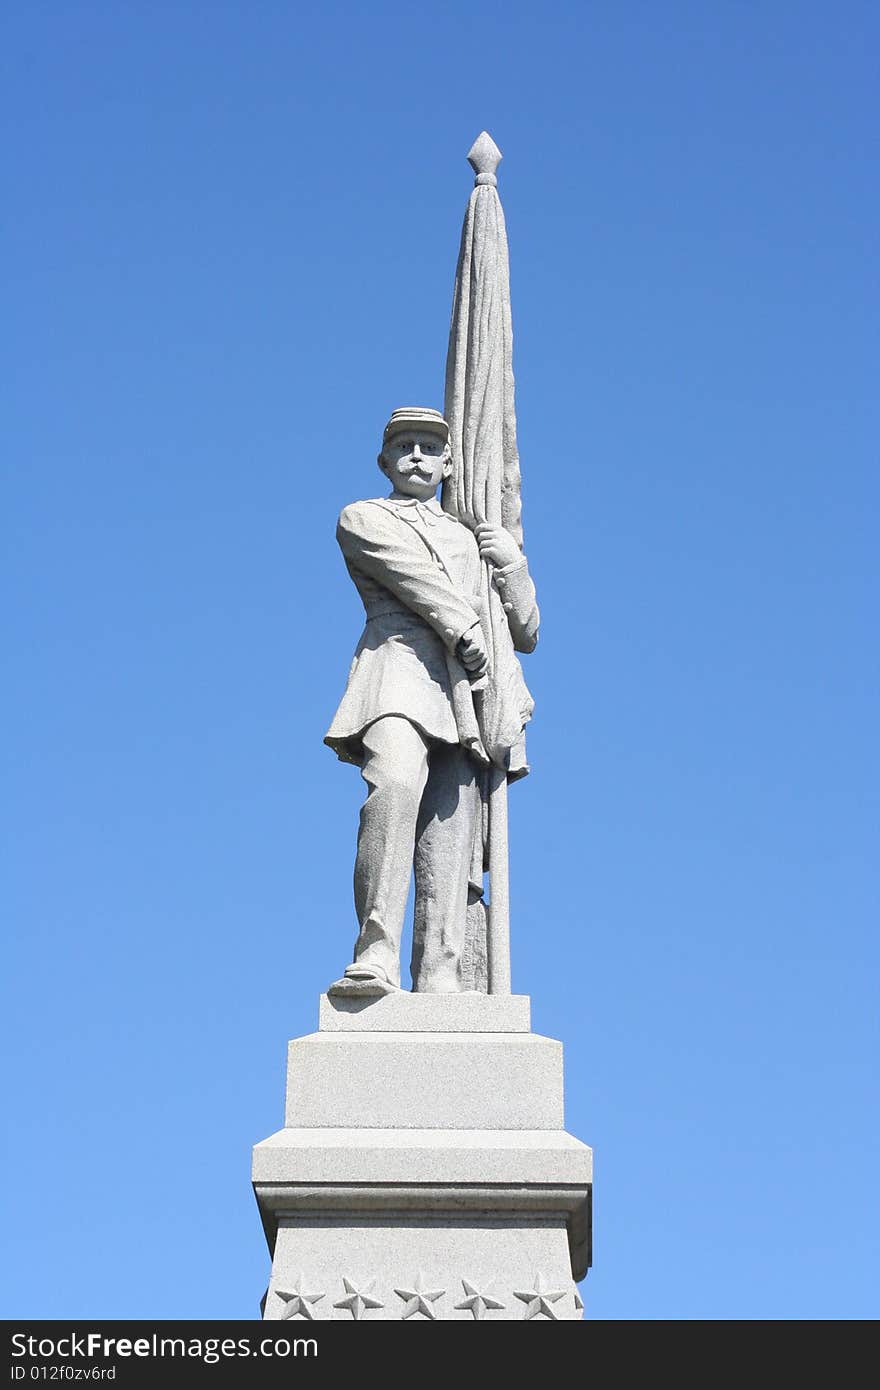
{"type": "Point", "coordinates": [484, 157]}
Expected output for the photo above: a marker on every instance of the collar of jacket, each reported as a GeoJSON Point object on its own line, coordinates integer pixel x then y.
{"type": "Point", "coordinates": [431, 505]}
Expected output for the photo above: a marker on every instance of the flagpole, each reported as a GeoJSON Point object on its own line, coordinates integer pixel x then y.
{"type": "Point", "coordinates": [484, 485]}
{"type": "Point", "coordinates": [498, 925]}
{"type": "Point", "coordinates": [498, 851]}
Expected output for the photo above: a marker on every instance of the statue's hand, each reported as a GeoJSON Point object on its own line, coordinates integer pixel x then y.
{"type": "Point", "coordinates": [497, 545]}
{"type": "Point", "coordinates": [472, 651]}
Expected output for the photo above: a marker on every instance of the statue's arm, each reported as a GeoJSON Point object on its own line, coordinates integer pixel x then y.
{"type": "Point", "coordinates": [514, 584]}
{"type": "Point", "coordinates": [510, 573]}
{"type": "Point", "coordinates": [390, 552]}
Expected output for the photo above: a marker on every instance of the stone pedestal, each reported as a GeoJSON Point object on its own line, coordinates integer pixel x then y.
{"type": "Point", "coordinates": [424, 1171]}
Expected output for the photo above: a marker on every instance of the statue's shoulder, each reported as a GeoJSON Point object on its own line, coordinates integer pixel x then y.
{"type": "Point", "coordinates": [358, 514]}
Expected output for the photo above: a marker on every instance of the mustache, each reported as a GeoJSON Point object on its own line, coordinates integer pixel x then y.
{"type": "Point", "coordinates": [417, 472]}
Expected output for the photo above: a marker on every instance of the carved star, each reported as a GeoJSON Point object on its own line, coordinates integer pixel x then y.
{"type": "Point", "coordinates": [540, 1299]}
{"type": "Point", "coordinates": [418, 1299]}
{"type": "Point", "coordinates": [297, 1300]}
{"type": "Point", "coordinates": [358, 1299]}
{"type": "Point", "coordinates": [477, 1302]}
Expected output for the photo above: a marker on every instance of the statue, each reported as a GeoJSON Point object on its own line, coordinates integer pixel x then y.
{"type": "Point", "coordinates": [423, 1147]}
{"type": "Point", "coordinates": [414, 713]}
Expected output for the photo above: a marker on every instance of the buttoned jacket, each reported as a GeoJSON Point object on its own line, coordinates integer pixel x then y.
{"type": "Point", "coordinates": [421, 580]}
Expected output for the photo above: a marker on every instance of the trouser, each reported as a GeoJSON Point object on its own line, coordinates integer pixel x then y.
{"type": "Point", "coordinates": [420, 813]}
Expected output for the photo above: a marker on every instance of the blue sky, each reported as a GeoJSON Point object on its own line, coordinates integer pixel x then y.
{"type": "Point", "coordinates": [230, 244]}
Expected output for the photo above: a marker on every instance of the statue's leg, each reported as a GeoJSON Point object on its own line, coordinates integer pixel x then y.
{"type": "Point", "coordinates": [444, 848]}
{"type": "Point", "coordinates": [395, 769]}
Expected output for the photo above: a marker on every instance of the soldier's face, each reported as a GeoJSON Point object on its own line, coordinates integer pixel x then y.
{"type": "Point", "coordinates": [415, 462]}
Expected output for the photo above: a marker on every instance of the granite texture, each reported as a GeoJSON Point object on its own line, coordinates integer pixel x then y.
{"type": "Point", "coordinates": [422, 1156]}
{"type": "Point", "coordinates": [426, 1013]}
{"type": "Point", "coordinates": [425, 1081]}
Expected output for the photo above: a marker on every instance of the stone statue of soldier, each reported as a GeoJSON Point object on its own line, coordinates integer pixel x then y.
{"type": "Point", "coordinates": [409, 717]}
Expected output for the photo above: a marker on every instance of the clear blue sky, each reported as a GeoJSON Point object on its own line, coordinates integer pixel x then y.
{"type": "Point", "coordinates": [231, 233]}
